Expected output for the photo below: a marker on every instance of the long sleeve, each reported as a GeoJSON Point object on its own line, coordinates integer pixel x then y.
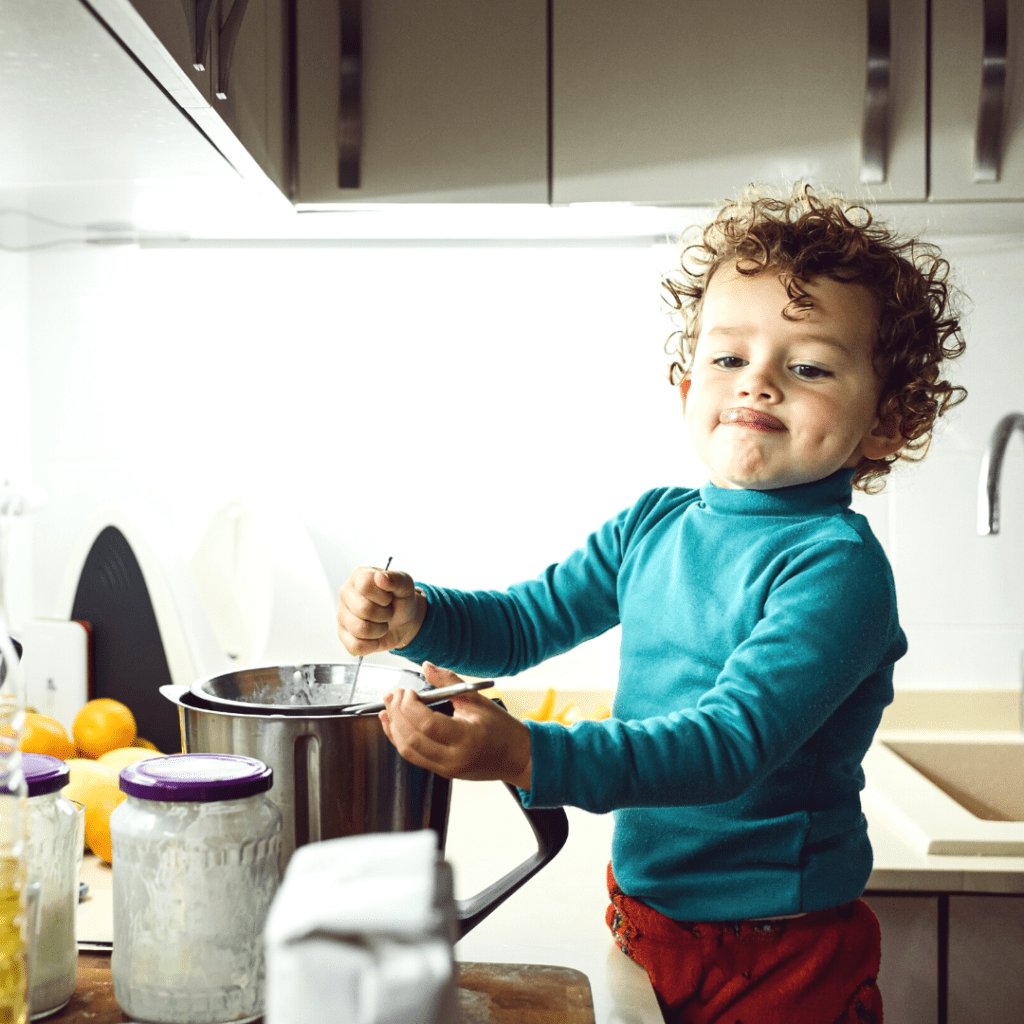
{"type": "Point", "coordinates": [827, 625]}
{"type": "Point", "coordinates": [759, 634]}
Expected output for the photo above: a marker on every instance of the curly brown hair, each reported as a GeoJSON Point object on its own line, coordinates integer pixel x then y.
{"type": "Point", "coordinates": [808, 234]}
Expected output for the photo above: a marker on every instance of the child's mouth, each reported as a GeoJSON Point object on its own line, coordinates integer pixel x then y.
{"type": "Point", "coordinates": [751, 418]}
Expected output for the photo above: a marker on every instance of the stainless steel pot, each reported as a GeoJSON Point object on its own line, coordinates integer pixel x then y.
{"type": "Point", "coordinates": [336, 774]}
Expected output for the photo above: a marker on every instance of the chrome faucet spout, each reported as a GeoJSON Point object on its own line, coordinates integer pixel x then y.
{"type": "Point", "coordinates": [991, 471]}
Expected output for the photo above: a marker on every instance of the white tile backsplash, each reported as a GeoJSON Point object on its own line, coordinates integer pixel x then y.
{"type": "Point", "coordinates": [473, 413]}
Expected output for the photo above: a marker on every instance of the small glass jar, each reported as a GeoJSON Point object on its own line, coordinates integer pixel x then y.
{"type": "Point", "coordinates": [195, 866]}
{"type": "Point", "coordinates": [53, 859]}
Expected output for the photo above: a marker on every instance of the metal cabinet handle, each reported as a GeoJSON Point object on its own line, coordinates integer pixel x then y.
{"type": "Point", "coordinates": [197, 15]}
{"type": "Point", "coordinates": [988, 139]}
{"type": "Point", "coordinates": [227, 36]}
{"type": "Point", "coordinates": [350, 106]}
{"type": "Point", "coordinates": [875, 134]}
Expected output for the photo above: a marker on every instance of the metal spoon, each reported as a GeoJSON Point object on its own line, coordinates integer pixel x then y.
{"type": "Point", "coordinates": [359, 660]}
{"type": "Point", "coordinates": [429, 696]}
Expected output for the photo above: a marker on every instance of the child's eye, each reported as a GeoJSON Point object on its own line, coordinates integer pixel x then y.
{"type": "Point", "coordinates": [728, 362]}
{"type": "Point", "coordinates": [809, 372]}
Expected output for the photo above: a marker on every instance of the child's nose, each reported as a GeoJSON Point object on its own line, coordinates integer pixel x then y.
{"type": "Point", "coordinates": [758, 382]}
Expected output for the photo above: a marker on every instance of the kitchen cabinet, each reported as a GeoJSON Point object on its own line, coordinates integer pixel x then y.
{"type": "Point", "coordinates": [670, 103]}
{"type": "Point", "coordinates": [448, 101]}
{"type": "Point", "coordinates": [239, 96]}
{"type": "Point", "coordinates": [663, 102]}
{"type": "Point", "coordinates": [951, 957]}
{"type": "Point", "coordinates": [986, 959]}
{"type": "Point", "coordinates": [909, 976]}
{"type": "Point", "coordinates": [88, 138]}
{"type": "Point", "coordinates": [666, 102]}
{"type": "Point", "coordinates": [780, 100]}
{"type": "Point", "coordinates": [963, 36]}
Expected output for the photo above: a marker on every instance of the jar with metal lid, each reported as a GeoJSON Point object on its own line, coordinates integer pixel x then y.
{"type": "Point", "coordinates": [195, 867]}
{"type": "Point", "coordinates": [53, 859]}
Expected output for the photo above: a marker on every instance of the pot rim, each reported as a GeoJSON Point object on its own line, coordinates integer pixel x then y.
{"type": "Point", "coordinates": [201, 689]}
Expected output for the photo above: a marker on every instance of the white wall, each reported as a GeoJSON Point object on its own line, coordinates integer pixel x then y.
{"type": "Point", "coordinates": [960, 602]}
{"type": "Point", "coordinates": [472, 412]}
{"type": "Point", "coordinates": [15, 428]}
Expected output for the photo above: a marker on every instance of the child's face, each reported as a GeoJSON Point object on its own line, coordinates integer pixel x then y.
{"type": "Point", "coordinates": [773, 402]}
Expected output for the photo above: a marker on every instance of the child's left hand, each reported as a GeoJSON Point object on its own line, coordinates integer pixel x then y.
{"type": "Point", "coordinates": [479, 741]}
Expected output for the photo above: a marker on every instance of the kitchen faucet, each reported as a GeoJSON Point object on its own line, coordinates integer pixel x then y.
{"type": "Point", "coordinates": [991, 471]}
{"type": "Point", "coordinates": [988, 493]}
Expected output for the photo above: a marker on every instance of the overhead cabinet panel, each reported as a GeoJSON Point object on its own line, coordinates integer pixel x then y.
{"type": "Point", "coordinates": [661, 101]}
{"type": "Point", "coordinates": [450, 100]}
{"type": "Point", "coordinates": [977, 139]}
{"type": "Point", "coordinates": [249, 80]}
{"type": "Point", "coordinates": [85, 134]}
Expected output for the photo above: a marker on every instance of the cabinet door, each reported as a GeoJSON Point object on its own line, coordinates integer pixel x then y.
{"type": "Point", "coordinates": [454, 101]}
{"type": "Point", "coordinates": [174, 25]}
{"type": "Point", "coordinates": [958, 51]}
{"type": "Point", "coordinates": [662, 101]}
{"type": "Point", "coordinates": [908, 977]}
{"type": "Point", "coordinates": [986, 960]}
{"type": "Point", "coordinates": [249, 80]}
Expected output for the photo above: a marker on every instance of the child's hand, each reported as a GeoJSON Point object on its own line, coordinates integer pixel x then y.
{"type": "Point", "coordinates": [480, 741]}
{"type": "Point", "coordinates": [378, 610]}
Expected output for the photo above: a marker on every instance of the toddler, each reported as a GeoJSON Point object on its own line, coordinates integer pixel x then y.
{"type": "Point", "coordinates": [758, 614]}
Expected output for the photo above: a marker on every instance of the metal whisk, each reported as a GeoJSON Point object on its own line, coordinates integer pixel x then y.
{"type": "Point", "coordinates": [359, 660]}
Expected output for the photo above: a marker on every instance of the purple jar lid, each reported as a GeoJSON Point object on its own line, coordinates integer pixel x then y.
{"type": "Point", "coordinates": [44, 774]}
{"type": "Point", "coordinates": [196, 778]}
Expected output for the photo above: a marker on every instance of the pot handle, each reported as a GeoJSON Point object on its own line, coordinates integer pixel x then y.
{"type": "Point", "coordinates": [551, 829]}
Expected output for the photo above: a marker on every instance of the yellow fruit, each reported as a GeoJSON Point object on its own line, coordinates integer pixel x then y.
{"type": "Point", "coordinates": [145, 744]}
{"type": "Point", "coordinates": [103, 724]}
{"type": "Point", "coordinates": [547, 707]}
{"type": "Point", "coordinates": [45, 735]}
{"type": "Point", "coordinates": [568, 714]}
{"type": "Point", "coordinates": [96, 786]}
{"type": "Point", "coordinates": [120, 757]}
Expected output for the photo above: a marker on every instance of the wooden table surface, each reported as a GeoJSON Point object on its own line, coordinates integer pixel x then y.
{"type": "Point", "coordinates": [488, 994]}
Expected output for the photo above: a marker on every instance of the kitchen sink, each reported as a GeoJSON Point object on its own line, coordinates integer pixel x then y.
{"type": "Point", "coordinates": [986, 779]}
{"type": "Point", "coordinates": [957, 795]}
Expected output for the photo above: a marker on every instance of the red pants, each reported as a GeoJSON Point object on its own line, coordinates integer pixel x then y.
{"type": "Point", "coordinates": [816, 969]}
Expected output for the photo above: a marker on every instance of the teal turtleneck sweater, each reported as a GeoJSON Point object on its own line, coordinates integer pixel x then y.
{"type": "Point", "coordinates": [759, 633]}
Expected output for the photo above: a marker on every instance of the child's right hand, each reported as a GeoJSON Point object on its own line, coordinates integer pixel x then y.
{"type": "Point", "coordinates": [378, 610]}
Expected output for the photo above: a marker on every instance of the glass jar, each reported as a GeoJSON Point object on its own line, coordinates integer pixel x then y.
{"type": "Point", "coordinates": [195, 866]}
{"type": "Point", "coordinates": [53, 859]}
{"type": "Point", "coordinates": [13, 835]}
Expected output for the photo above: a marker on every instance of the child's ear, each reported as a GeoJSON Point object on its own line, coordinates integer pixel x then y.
{"type": "Point", "coordinates": [684, 386]}
{"type": "Point", "coordinates": [885, 438]}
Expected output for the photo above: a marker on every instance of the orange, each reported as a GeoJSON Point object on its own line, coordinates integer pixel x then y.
{"type": "Point", "coordinates": [121, 757]}
{"type": "Point", "coordinates": [45, 735]}
{"type": "Point", "coordinates": [97, 787]}
{"type": "Point", "coordinates": [103, 724]}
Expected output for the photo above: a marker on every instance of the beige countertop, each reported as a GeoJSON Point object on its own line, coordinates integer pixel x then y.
{"type": "Point", "coordinates": [938, 716]}
{"type": "Point", "coordinates": [557, 918]}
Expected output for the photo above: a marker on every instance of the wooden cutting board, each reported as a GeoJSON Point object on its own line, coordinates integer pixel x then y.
{"type": "Point", "coordinates": [523, 994]}
{"type": "Point", "coordinates": [488, 994]}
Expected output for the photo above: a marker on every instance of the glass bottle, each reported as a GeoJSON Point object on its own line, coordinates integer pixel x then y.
{"type": "Point", "coordinates": [53, 859]}
{"type": "Point", "coordinates": [195, 866]}
{"type": "Point", "coordinates": [13, 840]}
